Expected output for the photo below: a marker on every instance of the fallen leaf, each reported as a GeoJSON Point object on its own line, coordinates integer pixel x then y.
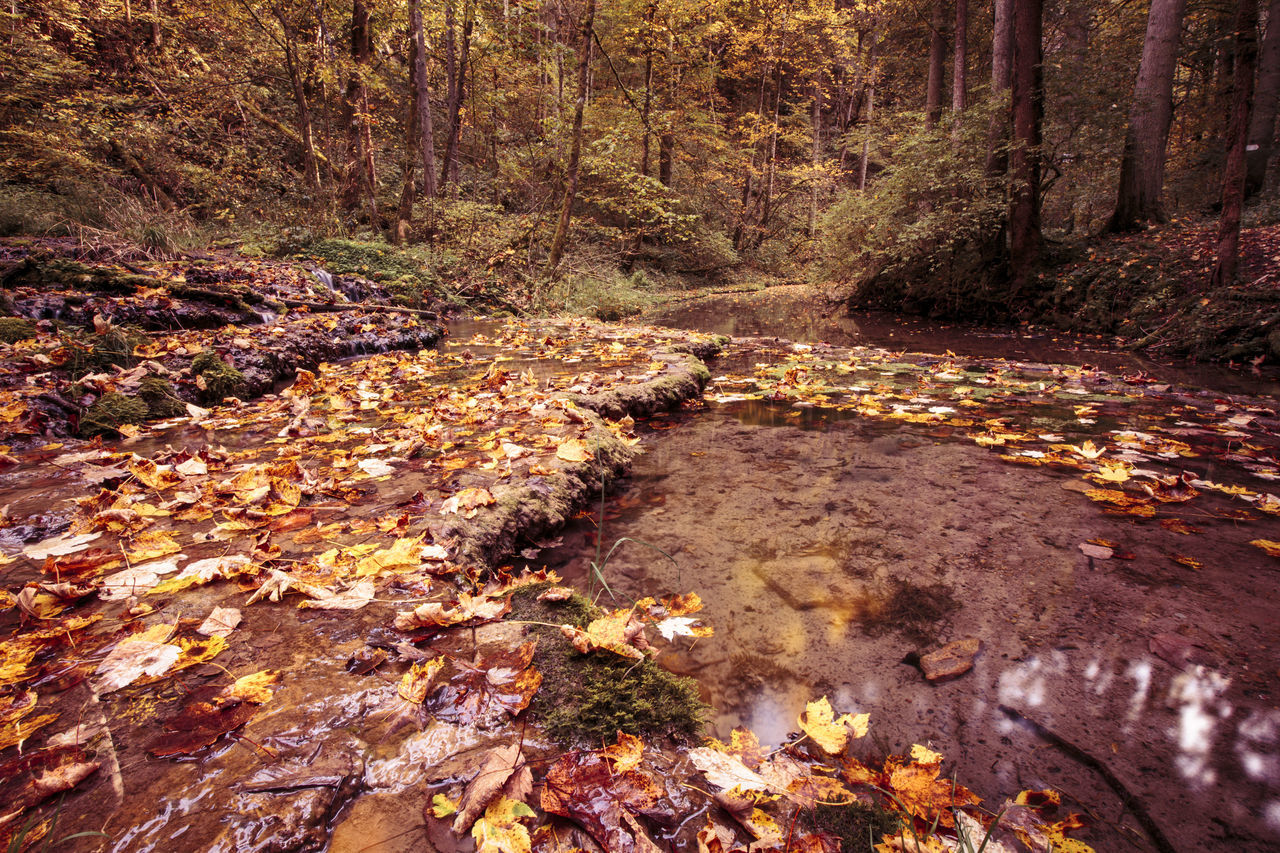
{"type": "Point", "coordinates": [59, 546]}
{"type": "Point", "coordinates": [467, 610]}
{"type": "Point", "coordinates": [498, 766]}
{"type": "Point", "coordinates": [353, 598]}
{"type": "Point", "coordinates": [132, 659]}
{"type": "Point", "coordinates": [220, 622]}
{"type": "Point", "coordinates": [573, 450]}
{"type": "Point", "coordinates": [584, 787]}
{"type": "Point", "coordinates": [255, 688]}
{"type": "Point", "coordinates": [830, 734]}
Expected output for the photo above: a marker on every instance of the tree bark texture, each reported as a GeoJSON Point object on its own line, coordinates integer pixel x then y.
{"type": "Point", "coordinates": [556, 252]}
{"type": "Point", "coordinates": [1024, 159]}
{"type": "Point", "coordinates": [1142, 161]}
{"type": "Point", "coordinates": [1001, 75]}
{"type": "Point", "coordinates": [960, 65]}
{"type": "Point", "coordinates": [422, 98]}
{"type": "Point", "coordinates": [1246, 51]}
{"type": "Point", "coordinates": [361, 175]}
{"type": "Point", "coordinates": [1262, 121]}
{"type": "Point", "coordinates": [457, 59]}
{"type": "Point", "coordinates": [937, 58]}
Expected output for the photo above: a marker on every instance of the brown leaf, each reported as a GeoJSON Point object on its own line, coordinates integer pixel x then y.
{"type": "Point", "coordinates": [205, 718]}
{"type": "Point", "coordinates": [499, 765]}
{"type": "Point", "coordinates": [585, 788]}
{"type": "Point", "coordinates": [486, 693]}
{"type": "Point", "coordinates": [467, 610]}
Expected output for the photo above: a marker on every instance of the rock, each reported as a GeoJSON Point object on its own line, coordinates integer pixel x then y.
{"type": "Point", "coordinates": [952, 660]}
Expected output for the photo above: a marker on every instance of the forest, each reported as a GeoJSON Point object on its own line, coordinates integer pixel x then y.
{"type": "Point", "coordinates": [547, 426]}
{"type": "Point", "coordinates": [950, 158]}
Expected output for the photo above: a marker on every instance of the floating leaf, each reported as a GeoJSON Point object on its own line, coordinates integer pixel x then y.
{"type": "Point", "coordinates": [819, 723]}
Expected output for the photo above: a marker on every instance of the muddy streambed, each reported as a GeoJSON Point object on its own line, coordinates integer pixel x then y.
{"type": "Point", "coordinates": [834, 546]}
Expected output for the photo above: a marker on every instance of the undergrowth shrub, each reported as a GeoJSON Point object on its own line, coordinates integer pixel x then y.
{"type": "Point", "coordinates": [924, 231]}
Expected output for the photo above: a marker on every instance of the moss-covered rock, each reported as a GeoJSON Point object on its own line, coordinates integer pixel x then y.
{"type": "Point", "coordinates": [587, 699]}
{"type": "Point", "coordinates": [14, 329]}
{"type": "Point", "coordinates": [110, 412]}
{"type": "Point", "coordinates": [218, 380]}
{"type": "Point", "coordinates": [161, 400]}
{"type": "Point", "coordinates": [99, 352]}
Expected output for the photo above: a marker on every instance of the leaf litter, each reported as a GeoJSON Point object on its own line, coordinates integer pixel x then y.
{"type": "Point", "coordinates": [309, 491]}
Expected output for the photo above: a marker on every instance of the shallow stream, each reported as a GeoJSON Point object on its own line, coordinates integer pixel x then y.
{"type": "Point", "coordinates": [839, 511]}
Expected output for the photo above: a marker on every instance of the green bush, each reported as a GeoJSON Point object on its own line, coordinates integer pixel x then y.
{"type": "Point", "coordinates": [920, 230]}
{"type": "Point", "coordinates": [221, 380]}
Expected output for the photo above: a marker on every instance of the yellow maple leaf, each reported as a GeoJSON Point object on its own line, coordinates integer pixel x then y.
{"type": "Point", "coordinates": [150, 545]}
{"type": "Point", "coordinates": [255, 688]}
{"type": "Point", "coordinates": [819, 722]}
{"type": "Point", "coordinates": [573, 450]}
{"type": "Point", "coordinates": [499, 831]}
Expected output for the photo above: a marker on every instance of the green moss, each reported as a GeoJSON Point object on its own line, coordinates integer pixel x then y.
{"type": "Point", "coordinates": [110, 412]}
{"type": "Point", "coordinates": [160, 398]}
{"type": "Point", "coordinates": [97, 353]}
{"type": "Point", "coordinates": [590, 698]}
{"type": "Point", "coordinates": [221, 380]}
{"type": "Point", "coordinates": [858, 826]}
{"type": "Point", "coordinates": [14, 329]}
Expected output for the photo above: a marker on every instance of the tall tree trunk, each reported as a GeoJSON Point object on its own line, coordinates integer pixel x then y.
{"type": "Point", "coordinates": [937, 58]}
{"type": "Point", "coordinates": [1246, 52]}
{"type": "Point", "coordinates": [650, 12]}
{"type": "Point", "coordinates": [360, 177]}
{"type": "Point", "coordinates": [1142, 162]}
{"type": "Point", "coordinates": [422, 98]}
{"type": "Point", "coordinates": [1001, 75]}
{"type": "Point", "coordinates": [408, 189]}
{"type": "Point", "coordinates": [871, 109]}
{"type": "Point", "coordinates": [815, 122]}
{"type": "Point", "coordinates": [1262, 121]}
{"type": "Point", "coordinates": [556, 252]}
{"type": "Point", "coordinates": [457, 68]}
{"type": "Point", "coordinates": [305, 131]}
{"type": "Point", "coordinates": [155, 39]}
{"type": "Point", "coordinates": [1024, 161]}
{"type": "Point", "coordinates": [960, 66]}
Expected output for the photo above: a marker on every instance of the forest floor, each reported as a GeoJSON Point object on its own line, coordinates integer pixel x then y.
{"type": "Point", "coordinates": [280, 604]}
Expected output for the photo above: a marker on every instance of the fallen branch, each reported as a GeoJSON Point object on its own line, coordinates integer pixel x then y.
{"type": "Point", "coordinates": [336, 307]}
{"type": "Point", "coordinates": [1127, 797]}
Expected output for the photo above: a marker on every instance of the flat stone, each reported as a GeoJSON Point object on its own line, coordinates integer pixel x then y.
{"type": "Point", "coordinates": [952, 660]}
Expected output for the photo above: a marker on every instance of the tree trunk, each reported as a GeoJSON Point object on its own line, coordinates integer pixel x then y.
{"type": "Point", "coordinates": [959, 69]}
{"type": "Point", "coordinates": [422, 97]}
{"type": "Point", "coordinates": [937, 57]}
{"type": "Point", "coordinates": [457, 70]}
{"type": "Point", "coordinates": [412, 139]}
{"type": "Point", "coordinates": [1142, 162]}
{"type": "Point", "coordinates": [1001, 75]}
{"type": "Point", "coordinates": [556, 252]}
{"type": "Point", "coordinates": [306, 140]}
{"type": "Point", "coordinates": [871, 109]}
{"type": "Point", "coordinates": [1246, 60]}
{"type": "Point", "coordinates": [650, 12]}
{"type": "Point", "coordinates": [155, 39]}
{"type": "Point", "coordinates": [815, 121]}
{"type": "Point", "coordinates": [1262, 121]}
{"type": "Point", "coordinates": [360, 176]}
{"type": "Point", "coordinates": [1024, 160]}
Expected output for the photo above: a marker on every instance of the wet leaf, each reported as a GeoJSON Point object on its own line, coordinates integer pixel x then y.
{"type": "Point", "coordinates": [501, 765]}
{"type": "Point", "coordinates": [726, 771]}
{"type": "Point", "coordinates": [132, 659]}
{"type": "Point", "coordinates": [1271, 549]}
{"type": "Point", "coordinates": [201, 722]}
{"type": "Point", "coordinates": [30, 779]}
{"type": "Point", "coordinates": [573, 450]}
{"type": "Point", "coordinates": [819, 723]}
{"type": "Point", "coordinates": [59, 546]}
{"type": "Point", "coordinates": [499, 831]}
{"type": "Point", "coordinates": [467, 610]}
{"type": "Point", "coordinates": [353, 598]}
{"type": "Point", "coordinates": [619, 632]}
{"type": "Point", "coordinates": [220, 622]}
{"type": "Point", "coordinates": [255, 688]}
{"type": "Point", "coordinates": [16, 732]}
{"type": "Point", "coordinates": [441, 807]}
{"type": "Point", "coordinates": [419, 680]}
{"type": "Point", "coordinates": [584, 788]}
{"type": "Point", "coordinates": [486, 693]}
{"type": "Point", "coordinates": [467, 503]}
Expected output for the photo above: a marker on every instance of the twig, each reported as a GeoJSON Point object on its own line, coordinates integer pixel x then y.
{"type": "Point", "coordinates": [1127, 797]}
